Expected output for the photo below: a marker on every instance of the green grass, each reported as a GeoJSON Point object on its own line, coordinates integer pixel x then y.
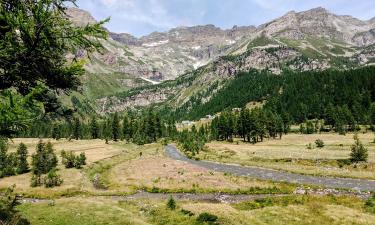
{"type": "Point", "coordinates": [297, 209]}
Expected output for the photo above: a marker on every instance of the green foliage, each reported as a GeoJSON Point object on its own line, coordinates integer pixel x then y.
{"type": "Point", "coordinates": [13, 163]}
{"type": "Point", "coordinates": [22, 164]}
{"type": "Point", "coordinates": [77, 129]}
{"type": "Point", "coordinates": [171, 204]}
{"type": "Point", "coordinates": [116, 127]}
{"type": "Point", "coordinates": [343, 99]}
{"type": "Point", "coordinates": [8, 212]}
{"type": "Point", "coordinates": [52, 179]}
{"type": "Point", "coordinates": [370, 204]}
{"type": "Point", "coordinates": [192, 141]}
{"type": "Point", "coordinates": [253, 126]}
{"type": "Point", "coordinates": [70, 160]}
{"type": "Point", "coordinates": [35, 37]}
{"type": "Point", "coordinates": [319, 143]}
{"type": "Point", "coordinates": [94, 128]}
{"type": "Point", "coordinates": [358, 151]}
{"type": "Point", "coordinates": [44, 160]}
{"type": "Point", "coordinates": [207, 218]}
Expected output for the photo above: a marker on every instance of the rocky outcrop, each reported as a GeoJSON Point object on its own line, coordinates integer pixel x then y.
{"type": "Point", "coordinates": [319, 22]}
{"type": "Point", "coordinates": [80, 17]}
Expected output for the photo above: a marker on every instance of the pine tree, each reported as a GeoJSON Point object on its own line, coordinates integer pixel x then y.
{"type": "Point", "coordinates": [171, 204]}
{"type": "Point", "coordinates": [3, 156]}
{"type": "Point", "coordinates": [76, 129]}
{"type": "Point", "coordinates": [106, 130]}
{"type": "Point", "coordinates": [116, 127]}
{"type": "Point", "coordinates": [94, 128]}
{"type": "Point", "coordinates": [56, 133]}
{"type": "Point", "coordinates": [126, 126]}
{"type": "Point", "coordinates": [358, 151]}
{"type": "Point", "coordinates": [22, 164]}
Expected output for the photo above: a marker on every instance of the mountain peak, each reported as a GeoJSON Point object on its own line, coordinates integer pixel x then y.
{"type": "Point", "coordinates": [80, 17]}
{"type": "Point", "coordinates": [318, 10]}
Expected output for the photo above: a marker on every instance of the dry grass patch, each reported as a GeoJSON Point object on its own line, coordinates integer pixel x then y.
{"type": "Point", "coordinates": [165, 173]}
{"type": "Point", "coordinates": [95, 150]}
{"type": "Point", "coordinates": [291, 154]}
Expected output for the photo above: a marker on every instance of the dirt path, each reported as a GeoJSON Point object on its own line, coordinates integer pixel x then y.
{"type": "Point", "coordinates": [209, 197]}
{"type": "Point", "coordinates": [274, 175]}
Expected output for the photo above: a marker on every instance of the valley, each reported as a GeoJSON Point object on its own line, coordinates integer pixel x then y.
{"type": "Point", "coordinates": [190, 124]}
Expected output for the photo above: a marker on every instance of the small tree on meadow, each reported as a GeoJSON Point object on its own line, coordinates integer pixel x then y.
{"type": "Point", "coordinates": [358, 151]}
{"type": "Point", "coordinates": [116, 127]}
{"type": "Point", "coordinates": [77, 129]}
{"type": "Point", "coordinates": [171, 204]}
{"type": "Point", "coordinates": [22, 164]}
{"type": "Point", "coordinates": [319, 143]}
{"type": "Point", "coordinates": [94, 128]}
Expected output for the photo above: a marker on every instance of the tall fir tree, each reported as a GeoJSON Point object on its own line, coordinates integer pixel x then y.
{"type": "Point", "coordinates": [116, 127]}
{"type": "Point", "coordinates": [22, 164]}
{"type": "Point", "coordinates": [77, 129]}
{"type": "Point", "coordinates": [94, 128]}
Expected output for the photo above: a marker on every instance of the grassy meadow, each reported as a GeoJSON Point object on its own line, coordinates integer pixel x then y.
{"type": "Point", "coordinates": [291, 153]}
{"type": "Point", "coordinates": [127, 168]}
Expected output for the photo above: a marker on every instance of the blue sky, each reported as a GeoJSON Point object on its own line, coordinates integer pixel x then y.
{"type": "Point", "coordinates": [141, 17]}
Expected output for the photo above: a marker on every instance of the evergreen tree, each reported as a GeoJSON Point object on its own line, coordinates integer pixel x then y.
{"type": "Point", "coordinates": [56, 133]}
{"type": "Point", "coordinates": [94, 128]}
{"type": "Point", "coordinates": [126, 128]}
{"type": "Point", "coordinates": [358, 151]}
{"type": "Point", "coordinates": [22, 164]}
{"type": "Point", "coordinates": [35, 37]}
{"type": "Point", "coordinates": [116, 127]}
{"type": "Point", "coordinates": [3, 156]}
{"type": "Point", "coordinates": [77, 129]}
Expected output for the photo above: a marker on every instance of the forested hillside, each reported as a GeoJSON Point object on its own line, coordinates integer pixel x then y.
{"type": "Point", "coordinates": [331, 95]}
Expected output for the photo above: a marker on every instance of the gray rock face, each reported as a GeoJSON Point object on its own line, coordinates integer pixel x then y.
{"type": "Point", "coordinates": [80, 17]}
{"type": "Point", "coordinates": [182, 49]}
{"type": "Point", "coordinates": [319, 22]}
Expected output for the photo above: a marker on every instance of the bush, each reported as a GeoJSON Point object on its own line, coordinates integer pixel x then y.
{"type": "Point", "coordinates": [319, 143]}
{"type": "Point", "coordinates": [310, 146]}
{"type": "Point", "coordinates": [8, 211]}
{"type": "Point", "coordinates": [70, 160]}
{"type": "Point", "coordinates": [44, 160]}
{"type": "Point", "coordinates": [358, 151]}
{"type": "Point", "coordinates": [207, 218]}
{"type": "Point", "coordinates": [370, 204]}
{"type": "Point", "coordinates": [171, 204]}
{"type": "Point", "coordinates": [52, 179]}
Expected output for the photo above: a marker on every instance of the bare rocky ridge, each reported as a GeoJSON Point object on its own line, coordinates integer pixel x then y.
{"type": "Point", "coordinates": [319, 22]}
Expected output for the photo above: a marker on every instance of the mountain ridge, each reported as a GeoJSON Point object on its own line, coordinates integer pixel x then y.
{"type": "Point", "coordinates": [206, 56]}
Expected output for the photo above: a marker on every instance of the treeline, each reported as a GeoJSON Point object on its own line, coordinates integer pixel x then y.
{"type": "Point", "coordinates": [251, 125]}
{"type": "Point", "coordinates": [143, 128]}
{"type": "Point", "coordinates": [343, 99]}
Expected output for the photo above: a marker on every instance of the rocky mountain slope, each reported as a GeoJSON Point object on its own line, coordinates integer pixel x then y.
{"type": "Point", "coordinates": [199, 60]}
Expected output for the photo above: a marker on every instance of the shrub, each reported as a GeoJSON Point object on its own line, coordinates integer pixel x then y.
{"type": "Point", "coordinates": [370, 204]}
{"type": "Point", "coordinates": [187, 212]}
{"type": "Point", "coordinates": [70, 160]}
{"type": "Point", "coordinates": [44, 160]}
{"type": "Point", "coordinates": [207, 218]}
{"type": "Point", "coordinates": [171, 204]}
{"type": "Point", "coordinates": [358, 151]}
{"type": "Point", "coordinates": [319, 143]}
{"type": "Point", "coordinates": [8, 211]}
{"type": "Point", "coordinates": [310, 146]}
{"type": "Point", "coordinates": [52, 179]}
